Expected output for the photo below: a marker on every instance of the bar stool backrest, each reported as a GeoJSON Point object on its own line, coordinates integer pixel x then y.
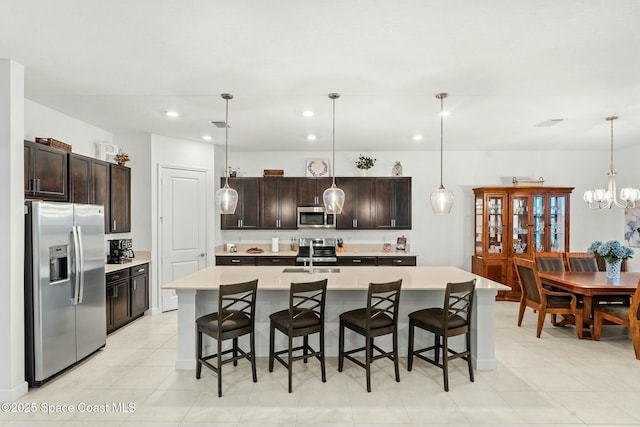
{"type": "Point", "coordinates": [307, 297]}
{"type": "Point", "coordinates": [458, 303]}
{"type": "Point", "coordinates": [383, 299]}
{"type": "Point", "coordinates": [237, 298]}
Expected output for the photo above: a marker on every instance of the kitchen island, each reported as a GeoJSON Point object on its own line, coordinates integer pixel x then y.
{"type": "Point", "coordinates": [421, 287]}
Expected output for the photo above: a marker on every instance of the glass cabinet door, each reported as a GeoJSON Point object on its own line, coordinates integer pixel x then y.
{"type": "Point", "coordinates": [538, 223]}
{"type": "Point", "coordinates": [479, 225]}
{"type": "Point", "coordinates": [557, 210]}
{"type": "Point", "coordinates": [495, 216]}
{"type": "Point", "coordinates": [520, 223]}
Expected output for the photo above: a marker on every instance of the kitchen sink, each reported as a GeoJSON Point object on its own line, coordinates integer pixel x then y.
{"type": "Point", "coordinates": [315, 270]}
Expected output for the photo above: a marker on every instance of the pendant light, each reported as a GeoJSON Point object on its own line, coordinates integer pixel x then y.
{"type": "Point", "coordinates": [333, 197]}
{"type": "Point", "coordinates": [226, 197]}
{"type": "Point", "coordinates": [441, 199]}
{"type": "Point", "coordinates": [605, 199]}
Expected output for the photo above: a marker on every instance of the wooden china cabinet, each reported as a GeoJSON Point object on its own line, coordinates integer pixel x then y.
{"type": "Point", "coordinates": [517, 222]}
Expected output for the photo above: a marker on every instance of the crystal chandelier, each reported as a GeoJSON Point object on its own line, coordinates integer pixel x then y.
{"type": "Point", "coordinates": [605, 199]}
{"type": "Point", "coordinates": [441, 198]}
{"type": "Point", "coordinates": [226, 197]}
{"type": "Point", "coordinates": [333, 197]}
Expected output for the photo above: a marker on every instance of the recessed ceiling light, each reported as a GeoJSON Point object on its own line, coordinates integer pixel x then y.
{"type": "Point", "coordinates": [206, 137]}
{"type": "Point", "coordinates": [417, 137]}
{"type": "Point", "coordinates": [311, 137]}
{"type": "Point", "coordinates": [446, 113]}
{"type": "Point", "coordinates": [307, 113]}
{"type": "Point", "coordinates": [171, 113]}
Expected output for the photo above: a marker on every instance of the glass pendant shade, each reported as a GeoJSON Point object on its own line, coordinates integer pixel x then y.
{"type": "Point", "coordinates": [333, 199]}
{"type": "Point", "coordinates": [227, 199]}
{"type": "Point", "coordinates": [441, 201]}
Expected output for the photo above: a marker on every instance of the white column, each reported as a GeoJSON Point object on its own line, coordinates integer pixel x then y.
{"type": "Point", "coordinates": [12, 383]}
{"type": "Point", "coordinates": [186, 330]}
{"type": "Point", "coordinates": [483, 331]}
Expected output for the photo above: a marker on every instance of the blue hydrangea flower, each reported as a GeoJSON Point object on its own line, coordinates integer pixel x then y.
{"type": "Point", "coordinates": [611, 250]}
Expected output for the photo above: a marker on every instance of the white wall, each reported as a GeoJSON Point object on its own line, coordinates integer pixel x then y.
{"type": "Point", "coordinates": [12, 381]}
{"type": "Point", "coordinates": [45, 122]}
{"type": "Point", "coordinates": [448, 240]}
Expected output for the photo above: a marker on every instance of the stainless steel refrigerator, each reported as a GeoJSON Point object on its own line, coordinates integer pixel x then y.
{"type": "Point", "coordinates": [65, 317]}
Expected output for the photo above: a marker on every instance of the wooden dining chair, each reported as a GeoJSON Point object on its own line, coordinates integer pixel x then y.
{"type": "Point", "coordinates": [550, 261]}
{"type": "Point", "coordinates": [581, 262]}
{"type": "Point", "coordinates": [543, 300]}
{"type": "Point", "coordinates": [628, 316]}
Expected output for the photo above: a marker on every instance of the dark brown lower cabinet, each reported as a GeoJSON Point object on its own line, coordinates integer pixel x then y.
{"type": "Point", "coordinates": [127, 295]}
{"type": "Point", "coordinates": [235, 260]}
{"type": "Point", "coordinates": [117, 299]}
{"type": "Point", "coordinates": [276, 260]}
{"type": "Point", "coordinates": [139, 290]}
{"type": "Point", "coordinates": [357, 261]}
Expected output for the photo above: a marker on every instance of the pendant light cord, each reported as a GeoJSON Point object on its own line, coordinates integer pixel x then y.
{"type": "Point", "coordinates": [333, 138]}
{"type": "Point", "coordinates": [226, 143]}
{"type": "Point", "coordinates": [611, 119]}
{"type": "Point", "coordinates": [441, 139]}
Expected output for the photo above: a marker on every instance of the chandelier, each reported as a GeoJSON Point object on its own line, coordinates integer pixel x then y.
{"type": "Point", "coordinates": [605, 199]}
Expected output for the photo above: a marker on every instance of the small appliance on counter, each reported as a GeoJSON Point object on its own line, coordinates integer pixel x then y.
{"type": "Point", "coordinates": [120, 251]}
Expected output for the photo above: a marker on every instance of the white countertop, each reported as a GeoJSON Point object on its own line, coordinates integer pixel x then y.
{"type": "Point", "coordinates": [141, 258]}
{"type": "Point", "coordinates": [349, 278]}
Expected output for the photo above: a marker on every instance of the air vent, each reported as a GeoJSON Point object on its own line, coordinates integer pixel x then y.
{"type": "Point", "coordinates": [550, 122]}
{"type": "Point", "coordinates": [218, 124]}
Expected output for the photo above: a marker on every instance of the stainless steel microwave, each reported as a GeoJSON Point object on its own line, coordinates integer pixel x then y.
{"type": "Point", "coordinates": [315, 217]}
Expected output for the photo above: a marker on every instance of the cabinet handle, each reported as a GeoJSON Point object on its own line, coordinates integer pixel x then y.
{"type": "Point", "coordinates": [357, 261]}
{"type": "Point", "coordinates": [140, 270]}
{"type": "Point", "coordinates": [239, 224]}
{"type": "Point", "coordinates": [112, 278]}
{"type": "Point", "coordinates": [115, 225]}
{"type": "Point", "coordinates": [235, 261]}
{"type": "Point", "coordinates": [38, 184]}
{"type": "Point", "coordinates": [275, 260]}
{"type": "Point", "coordinates": [393, 223]}
{"type": "Point", "coordinates": [115, 292]}
{"type": "Point", "coordinates": [135, 284]}
{"type": "Point", "coordinates": [398, 261]}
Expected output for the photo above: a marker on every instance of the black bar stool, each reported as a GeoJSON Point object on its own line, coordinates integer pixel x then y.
{"type": "Point", "coordinates": [235, 317]}
{"type": "Point", "coordinates": [379, 318]}
{"type": "Point", "coordinates": [305, 316]}
{"type": "Point", "coordinates": [454, 319]}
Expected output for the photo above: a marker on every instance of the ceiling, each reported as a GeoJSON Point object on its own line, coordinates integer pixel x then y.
{"type": "Point", "coordinates": [507, 66]}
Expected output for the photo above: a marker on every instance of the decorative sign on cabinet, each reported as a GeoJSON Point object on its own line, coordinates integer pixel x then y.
{"type": "Point", "coordinates": [517, 222]}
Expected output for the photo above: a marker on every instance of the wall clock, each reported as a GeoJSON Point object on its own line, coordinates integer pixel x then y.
{"type": "Point", "coordinates": [317, 167]}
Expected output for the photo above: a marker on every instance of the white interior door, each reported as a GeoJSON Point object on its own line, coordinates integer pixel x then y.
{"type": "Point", "coordinates": [183, 216]}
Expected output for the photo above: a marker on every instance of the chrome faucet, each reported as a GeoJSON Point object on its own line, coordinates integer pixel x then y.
{"type": "Point", "coordinates": [311, 258]}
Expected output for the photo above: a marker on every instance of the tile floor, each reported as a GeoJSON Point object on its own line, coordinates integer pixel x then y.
{"type": "Point", "coordinates": [556, 380]}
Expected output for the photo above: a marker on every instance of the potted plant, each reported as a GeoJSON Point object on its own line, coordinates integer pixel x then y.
{"type": "Point", "coordinates": [364, 163]}
{"type": "Point", "coordinates": [613, 253]}
{"type": "Point", "coordinates": [121, 158]}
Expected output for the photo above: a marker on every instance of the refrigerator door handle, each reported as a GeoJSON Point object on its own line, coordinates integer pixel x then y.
{"type": "Point", "coordinates": [81, 264]}
{"type": "Point", "coordinates": [77, 264]}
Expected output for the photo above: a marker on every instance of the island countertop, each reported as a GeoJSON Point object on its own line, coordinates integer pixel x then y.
{"type": "Point", "coordinates": [349, 278]}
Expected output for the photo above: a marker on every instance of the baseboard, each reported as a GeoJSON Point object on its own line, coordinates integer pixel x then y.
{"type": "Point", "coordinates": [9, 395]}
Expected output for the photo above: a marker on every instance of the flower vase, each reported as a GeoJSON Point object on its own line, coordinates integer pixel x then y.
{"type": "Point", "coordinates": [363, 172]}
{"type": "Point", "coordinates": [613, 269]}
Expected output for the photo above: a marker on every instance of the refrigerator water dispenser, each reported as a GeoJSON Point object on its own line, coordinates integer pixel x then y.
{"type": "Point", "coordinates": [58, 263]}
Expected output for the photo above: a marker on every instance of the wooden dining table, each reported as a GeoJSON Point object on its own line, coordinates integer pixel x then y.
{"type": "Point", "coordinates": [589, 285]}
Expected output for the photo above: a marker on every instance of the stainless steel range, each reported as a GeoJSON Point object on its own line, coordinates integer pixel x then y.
{"type": "Point", "coordinates": [322, 251]}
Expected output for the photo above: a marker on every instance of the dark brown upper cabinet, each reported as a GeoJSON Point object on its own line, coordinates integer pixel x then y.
{"type": "Point", "coordinates": [120, 199]}
{"type": "Point", "coordinates": [278, 208]}
{"type": "Point", "coordinates": [45, 172]}
{"type": "Point", "coordinates": [89, 182]}
{"type": "Point", "coordinates": [393, 203]}
{"type": "Point", "coordinates": [358, 211]}
{"type": "Point", "coordinates": [309, 190]}
{"type": "Point", "coordinates": [248, 209]}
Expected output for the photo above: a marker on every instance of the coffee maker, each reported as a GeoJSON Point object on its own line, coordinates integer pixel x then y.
{"type": "Point", "coordinates": [120, 251]}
